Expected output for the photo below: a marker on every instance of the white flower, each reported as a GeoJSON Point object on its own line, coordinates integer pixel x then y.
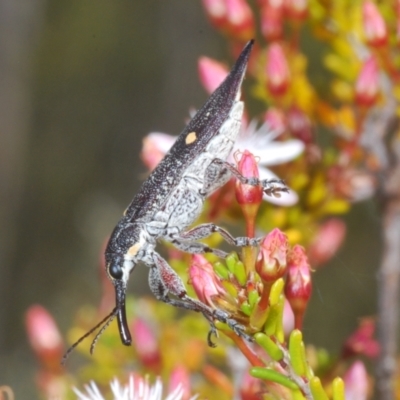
{"type": "Point", "coordinates": [136, 389]}
{"type": "Point", "coordinates": [260, 142]}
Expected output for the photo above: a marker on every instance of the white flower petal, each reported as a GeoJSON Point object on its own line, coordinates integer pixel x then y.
{"type": "Point", "coordinates": [285, 199]}
{"type": "Point", "coordinates": [275, 153]}
{"type": "Point", "coordinates": [92, 390]}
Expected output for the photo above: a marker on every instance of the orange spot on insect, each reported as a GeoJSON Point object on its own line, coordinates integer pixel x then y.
{"type": "Point", "coordinates": [191, 137]}
{"type": "Point", "coordinates": [132, 251]}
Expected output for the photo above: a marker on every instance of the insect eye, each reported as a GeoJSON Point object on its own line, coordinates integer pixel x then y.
{"type": "Point", "coordinates": [115, 271]}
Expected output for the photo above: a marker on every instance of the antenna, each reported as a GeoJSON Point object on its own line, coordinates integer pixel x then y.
{"type": "Point", "coordinates": [106, 321]}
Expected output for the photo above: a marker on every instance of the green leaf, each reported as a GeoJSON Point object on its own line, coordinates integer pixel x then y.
{"type": "Point", "coordinates": [273, 376]}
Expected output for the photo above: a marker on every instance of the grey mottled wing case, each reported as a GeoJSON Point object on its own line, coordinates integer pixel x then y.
{"type": "Point", "coordinates": [206, 124]}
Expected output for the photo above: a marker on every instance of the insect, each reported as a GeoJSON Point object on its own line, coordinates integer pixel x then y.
{"type": "Point", "coordinates": [170, 201]}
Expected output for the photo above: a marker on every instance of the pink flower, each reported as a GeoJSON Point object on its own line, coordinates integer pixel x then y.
{"type": "Point", "coordinates": [356, 382]}
{"type": "Point", "coordinates": [374, 25]}
{"type": "Point", "coordinates": [298, 283]}
{"type": "Point", "coordinates": [205, 282]}
{"type": "Point", "coordinates": [327, 242]}
{"type": "Point", "coordinates": [271, 262]}
{"type": "Point", "coordinates": [367, 84]}
{"type": "Point", "coordinates": [277, 70]}
{"type": "Point", "coordinates": [44, 337]}
{"type": "Point", "coordinates": [211, 73]}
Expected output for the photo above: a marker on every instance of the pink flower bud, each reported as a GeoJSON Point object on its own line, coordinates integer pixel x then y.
{"type": "Point", "coordinates": [44, 337]}
{"type": "Point", "coordinates": [216, 12]}
{"type": "Point", "coordinates": [271, 261]}
{"type": "Point", "coordinates": [211, 73]}
{"type": "Point", "coordinates": [249, 197]}
{"type": "Point", "coordinates": [361, 341]}
{"type": "Point", "coordinates": [296, 9]}
{"type": "Point", "coordinates": [155, 146]}
{"type": "Point", "coordinates": [275, 120]}
{"type": "Point", "coordinates": [356, 382]}
{"type": "Point", "coordinates": [248, 194]}
{"type": "Point", "coordinates": [277, 70]}
{"type": "Point", "coordinates": [146, 345]}
{"type": "Point", "coordinates": [271, 21]}
{"type": "Point", "coordinates": [374, 25]}
{"type": "Point", "coordinates": [240, 19]}
{"type": "Point", "coordinates": [205, 282]}
{"type": "Point", "coordinates": [367, 84]}
{"type": "Point", "coordinates": [327, 242]}
{"type": "Point", "coordinates": [180, 378]}
{"type": "Point", "coordinates": [298, 283]}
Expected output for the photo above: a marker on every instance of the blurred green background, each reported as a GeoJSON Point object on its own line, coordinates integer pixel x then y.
{"type": "Point", "coordinates": [81, 83]}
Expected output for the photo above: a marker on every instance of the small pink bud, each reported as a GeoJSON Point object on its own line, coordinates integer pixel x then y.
{"type": "Point", "coordinates": [367, 84]}
{"type": "Point", "coordinates": [205, 282]}
{"type": "Point", "coordinates": [277, 70]}
{"type": "Point", "coordinates": [374, 25]}
{"type": "Point", "coordinates": [155, 146]}
{"type": "Point", "coordinates": [327, 242]}
{"type": "Point", "coordinates": [248, 194]}
{"type": "Point", "coordinates": [296, 9]}
{"type": "Point", "coordinates": [298, 283]}
{"type": "Point", "coordinates": [299, 125]}
{"type": "Point", "coordinates": [240, 19]}
{"type": "Point", "coordinates": [180, 377]}
{"type": "Point", "coordinates": [271, 261]}
{"type": "Point", "coordinates": [271, 21]}
{"type": "Point", "coordinates": [211, 73]}
{"type": "Point", "coordinates": [361, 341]}
{"type": "Point", "coordinates": [44, 336]}
{"type": "Point", "coordinates": [216, 12]}
{"type": "Point", "coordinates": [356, 382]}
{"type": "Point", "coordinates": [146, 345]}
{"type": "Point", "coordinates": [249, 197]}
{"type": "Point", "coordinates": [275, 120]}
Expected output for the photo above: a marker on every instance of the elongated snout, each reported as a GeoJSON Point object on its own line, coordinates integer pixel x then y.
{"type": "Point", "coordinates": [120, 296]}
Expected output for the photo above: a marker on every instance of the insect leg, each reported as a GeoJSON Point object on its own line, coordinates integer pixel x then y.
{"type": "Point", "coordinates": [191, 247]}
{"type": "Point", "coordinates": [163, 280]}
{"type": "Point", "coordinates": [204, 230]}
{"type": "Point", "coordinates": [215, 177]}
{"type": "Point", "coordinates": [271, 187]}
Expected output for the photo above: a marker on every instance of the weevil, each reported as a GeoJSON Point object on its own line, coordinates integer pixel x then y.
{"type": "Point", "coordinates": [170, 201]}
